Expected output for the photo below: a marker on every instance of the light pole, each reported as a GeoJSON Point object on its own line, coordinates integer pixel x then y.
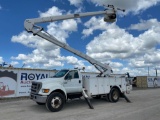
{"type": "Point", "coordinates": [156, 71]}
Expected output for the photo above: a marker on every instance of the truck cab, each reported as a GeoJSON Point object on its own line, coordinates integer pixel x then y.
{"type": "Point", "coordinates": [66, 82]}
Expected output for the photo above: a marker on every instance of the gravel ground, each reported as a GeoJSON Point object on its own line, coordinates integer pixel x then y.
{"type": "Point", "coordinates": [145, 106]}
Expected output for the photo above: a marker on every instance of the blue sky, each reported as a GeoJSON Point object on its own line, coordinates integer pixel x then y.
{"type": "Point", "coordinates": [131, 44]}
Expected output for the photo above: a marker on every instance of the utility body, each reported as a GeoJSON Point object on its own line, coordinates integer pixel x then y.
{"type": "Point", "coordinates": [70, 84]}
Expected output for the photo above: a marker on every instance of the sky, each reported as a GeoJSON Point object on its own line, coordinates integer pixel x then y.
{"type": "Point", "coordinates": [131, 44]}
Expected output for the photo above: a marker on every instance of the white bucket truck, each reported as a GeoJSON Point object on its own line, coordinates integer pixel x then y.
{"type": "Point", "coordinates": [70, 84]}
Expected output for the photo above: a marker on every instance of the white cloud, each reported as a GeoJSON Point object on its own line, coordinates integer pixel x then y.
{"type": "Point", "coordinates": [74, 61]}
{"type": "Point", "coordinates": [20, 57]}
{"type": "Point", "coordinates": [150, 38]}
{"type": "Point", "coordinates": [116, 43]}
{"type": "Point", "coordinates": [90, 69]}
{"type": "Point", "coordinates": [113, 42]}
{"type": "Point", "coordinates": [53, 63]}
{"type": "Point", "coordinates": [13, 63]}
{"type": "Point", "coordinates": [46, 54]}
{"type": "Point", "coordinates": [26, 39]}
{"type": "Point", "coordinates": [146, 64]}
{"type": "Point", "coordinates": [93, 24]}
{"type": "Point", "coordinates": [153, 57]}
{"type": "Point", "coordinates": [70, 25]}
{"type": "Point", "coordinates": [51, 11]}
{"type": "Point", "coordinates": [138, 63]}
{"type": "Point", "coordinates": [145, 25]}
{"type": "Point", "coordinates": [134, 6]}
{"type": "Point", "coordinates": [1, 60]}
{"type": "Point", "coordinates": [76, 2]}
{"type": "Point", "coordinates": [79, 9]}
{"type": "Point", "coordinates": [115, 64]}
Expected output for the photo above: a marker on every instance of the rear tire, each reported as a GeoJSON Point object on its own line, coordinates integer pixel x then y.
{"type": "Point", "coordinates": [55, 102]}
{"type": "Point", "coordinates": [114, 95]}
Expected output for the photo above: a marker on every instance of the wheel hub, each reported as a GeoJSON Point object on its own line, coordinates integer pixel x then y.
{"type": "Point", "coordinates": [115, 95]}
{"type": "Point", "coordinates": [56, 102]}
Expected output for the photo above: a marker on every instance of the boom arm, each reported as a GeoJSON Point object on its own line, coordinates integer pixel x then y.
{"type": "Point", "coordinates": [30, 26]}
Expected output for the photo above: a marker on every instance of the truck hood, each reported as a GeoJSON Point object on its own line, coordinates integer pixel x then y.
{"type": "Point", "coordinates": [51, 84]}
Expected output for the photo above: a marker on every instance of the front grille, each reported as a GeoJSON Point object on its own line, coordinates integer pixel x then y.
{"type": "Point", "coordinates": [36, 86]}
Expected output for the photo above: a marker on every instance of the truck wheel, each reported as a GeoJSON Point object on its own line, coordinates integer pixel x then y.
{"type": "Point", "coordinates": [55, 102]}
{"type": "Point", "coordinates": [40, 103]}
{"type": "Point", "coordinates": [114, 95]}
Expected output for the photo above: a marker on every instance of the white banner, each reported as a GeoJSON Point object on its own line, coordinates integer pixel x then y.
{"type": "Point", "coordinates": [16, 82]}
{"type": "Point", "coordinates": [153, 81]}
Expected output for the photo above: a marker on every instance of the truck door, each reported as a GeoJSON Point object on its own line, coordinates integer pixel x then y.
{"type": "Point", "coordinates": [73, 82]}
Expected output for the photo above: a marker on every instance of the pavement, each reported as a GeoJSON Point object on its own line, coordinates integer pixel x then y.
{"type": "Point", "coordinates": [145, 105]}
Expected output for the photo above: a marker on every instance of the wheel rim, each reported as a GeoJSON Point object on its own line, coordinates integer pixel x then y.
{"type": "Point", "coordinates": [115, 95]}
{"type": "Point", "coordinates": [56, 102]}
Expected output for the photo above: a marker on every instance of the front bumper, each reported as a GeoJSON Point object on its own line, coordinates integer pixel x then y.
{"type": "Point", "coordinates": [38, 98]}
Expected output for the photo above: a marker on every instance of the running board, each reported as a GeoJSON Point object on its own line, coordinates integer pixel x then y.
{"type": "Point", "coordinates": [126, 98]}
{"type": "Point", "coordinates": [87, 99]}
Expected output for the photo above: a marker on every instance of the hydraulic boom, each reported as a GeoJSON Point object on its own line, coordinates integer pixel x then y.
{"type": "Point", "coordinates": [30, 26]}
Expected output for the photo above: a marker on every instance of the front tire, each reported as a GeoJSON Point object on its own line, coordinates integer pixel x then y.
{"type": "Point", "coordinates": [55, 102]}
{"type": "Point", "coordinates": [114, 95]}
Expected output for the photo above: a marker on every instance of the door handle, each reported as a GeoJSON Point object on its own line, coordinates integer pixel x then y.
{"type": "Point", "coordinates": [79, 81]}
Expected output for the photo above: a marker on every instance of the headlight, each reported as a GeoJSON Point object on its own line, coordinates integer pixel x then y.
{"type": "Point", "coordinates": [45, 90]}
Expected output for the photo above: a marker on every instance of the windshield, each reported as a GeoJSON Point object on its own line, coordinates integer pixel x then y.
{"type": "Point", "coordinates": [60, 73]}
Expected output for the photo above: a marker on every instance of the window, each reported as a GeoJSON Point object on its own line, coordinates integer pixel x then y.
{"type": "Point", "coordinates": [72, 75]}
{"type": "Point", "coordinates": [60, 73]}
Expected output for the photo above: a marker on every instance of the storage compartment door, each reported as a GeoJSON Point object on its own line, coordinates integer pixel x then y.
{"type": "Point", "coordinates": [101, 85]}
{"type": "Point", "coordinates": [94, 86]}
